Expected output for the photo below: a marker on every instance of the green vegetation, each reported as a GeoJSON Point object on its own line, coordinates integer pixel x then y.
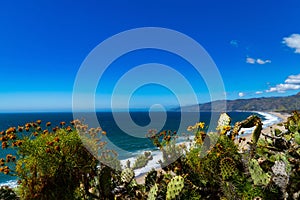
{"type": "Point", "coordinates": [54, 164]}
{"type": "Point", "coordinates": [280, 104]}
{"type": "Point", "coordinates": [7, 193]}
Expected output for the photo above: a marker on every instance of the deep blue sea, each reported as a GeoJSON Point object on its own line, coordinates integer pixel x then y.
{"type": "Point", "coordinates": [131, 145]}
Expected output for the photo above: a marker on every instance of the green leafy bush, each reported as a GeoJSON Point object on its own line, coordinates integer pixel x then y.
{"type": "Point", "coordinates": [51, 163]}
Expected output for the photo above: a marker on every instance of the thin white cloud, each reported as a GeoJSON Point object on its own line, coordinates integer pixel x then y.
{"type": "Point", "coordinates": [282, 87]}
{"type": "Point", "coordinates": [262, 62]}
{"type": "Point", "coordinates": [291, 83]}
{"type": "Point", "coordinates": [234, 43]}
{"type": "Point", "coordinates": [293, 41]}
{"type": "Point", "coordinates": [258, 92]}
{"type": "Point", "coordinates": [250, 60]}
{"type": "Point", "coordinates": [293, 79]}
{"type": "Point", "coordinates": [257, 61]}
{"type": "Point", "coordinates": [241, 94]}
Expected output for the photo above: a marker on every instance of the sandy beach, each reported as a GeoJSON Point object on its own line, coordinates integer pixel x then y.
{"type": "Point", "coordinates": [282, 116]}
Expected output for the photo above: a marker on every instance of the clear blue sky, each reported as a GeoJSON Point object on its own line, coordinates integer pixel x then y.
{"type": "Point", "coordinates": [255, 45]}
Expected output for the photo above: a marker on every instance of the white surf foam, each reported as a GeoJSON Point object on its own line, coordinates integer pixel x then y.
{"type": "Point", "coordinates": [10, 184]}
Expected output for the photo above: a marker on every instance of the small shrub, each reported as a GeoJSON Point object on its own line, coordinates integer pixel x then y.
{"type": "Point", "coordinates": [51, 163]}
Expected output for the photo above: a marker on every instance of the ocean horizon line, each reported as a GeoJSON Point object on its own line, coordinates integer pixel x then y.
{"type": "Point", "coordinates": [133, 110]}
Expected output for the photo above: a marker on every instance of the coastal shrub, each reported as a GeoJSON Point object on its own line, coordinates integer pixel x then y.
{"type": "Point", "coordinates": [53, 163]}
{"type": "Point", "coordinates": [166, 142]}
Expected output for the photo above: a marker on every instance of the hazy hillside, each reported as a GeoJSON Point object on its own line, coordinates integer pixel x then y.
{"type": "Point", "coordinates": [288, 103]}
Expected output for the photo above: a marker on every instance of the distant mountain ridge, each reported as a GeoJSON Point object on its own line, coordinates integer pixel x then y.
{"type": "Point", "coordinates": [280, 104]}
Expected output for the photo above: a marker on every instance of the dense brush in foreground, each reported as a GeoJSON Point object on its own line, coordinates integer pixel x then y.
{"type": "Point", "coordinates": [53, 163]}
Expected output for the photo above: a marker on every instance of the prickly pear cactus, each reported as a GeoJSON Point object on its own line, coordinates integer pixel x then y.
{"type": "Point", "coordinates": [127, 175]}
{"type": "Point", "coordinates": [258, 176]}
{"type": "Point", "coordinates": [142, 160]}
{"type": "Point", "coordinates": [227, 168]}
{"type": "Point", "coordinates": [297, 137]}
{"type": "Point", "coordinates": [105, 181]}
{"type": "Point", "coordinates": [224, 120]}
{"type": "Point", "coordinates": [153, 192]}
{"type": "Point", "coordinates": [280, 177]}
{"type": "Point", "coordinates": [174, 187]}
{"type": "Point", "coordinates": [251, 121]}
{"type": "Point", "coordinates": [224, 123]}
{"type": "Point", "coordinates": [257, 131]}
{"type": "Point", "coordinates": [150, 179]}
{"type": "Point", "coordinates": [293, 123]}
{"type": "Point", "coordinates": [7, 193]}
{"type": "Point", "coordinates": [133, 183]}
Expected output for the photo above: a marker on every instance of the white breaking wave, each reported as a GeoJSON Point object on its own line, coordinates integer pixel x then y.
{"type": "Point", "coordinates": [11, 184]}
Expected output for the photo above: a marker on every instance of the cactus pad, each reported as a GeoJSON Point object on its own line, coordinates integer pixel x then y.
{"type": "Point", "coordinates": [224, 123]}
{"type": "Point", "coordinates": [297, 137]}
{"type": "Point", "coordinates": [153, 192]}
{"type": "Point", "coordinates": [127, 175]}
{"type": "Point", "coordinates": [175, 186]}
{"type": "Point", "coordinates": [224, 120]}
{"type": "Point", "coordinates": [280, 176]}
{"type": "Point", "coordinates": [258, 176]}
{"type": "Point", "coordinates": [227, 167]}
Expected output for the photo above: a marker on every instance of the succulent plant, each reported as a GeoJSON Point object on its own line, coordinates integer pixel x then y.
{"type": "Point", "coordinates": [258, 176]}
{"type": "Point", "coordinates": [297, 137]}
{"type": "Point", "coordinates": [224, 120]}
{"type": "Point", "coordinates": [150, 179]}
{"type": "Point", "coordinates": [7, 193]}
{"type": "Point", "coordinates": [293, 122]}
{"type": "Point", "coordinates": [227, 167]}
{"type": "Point", "coordinates": [293, 125]}
{"type": "Point", "coordinates": [153, 192]}
{"type": "Point", "coordinates": [174, 187]}
{"type": "Point", "coordinates": [142, 160]}
{"type": "Point", "coordinates": [105, 181]}
{"type": "Point", "coordinates": [224, 123]}
{"type": "Point", "coordinates": [127, 175]}
{"type": "Point", "coordinates": [280, 177]}
{"type": "Point", "coordinates": [251, 121]}
{"type": "Point", "coordinates": [228, 190]}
